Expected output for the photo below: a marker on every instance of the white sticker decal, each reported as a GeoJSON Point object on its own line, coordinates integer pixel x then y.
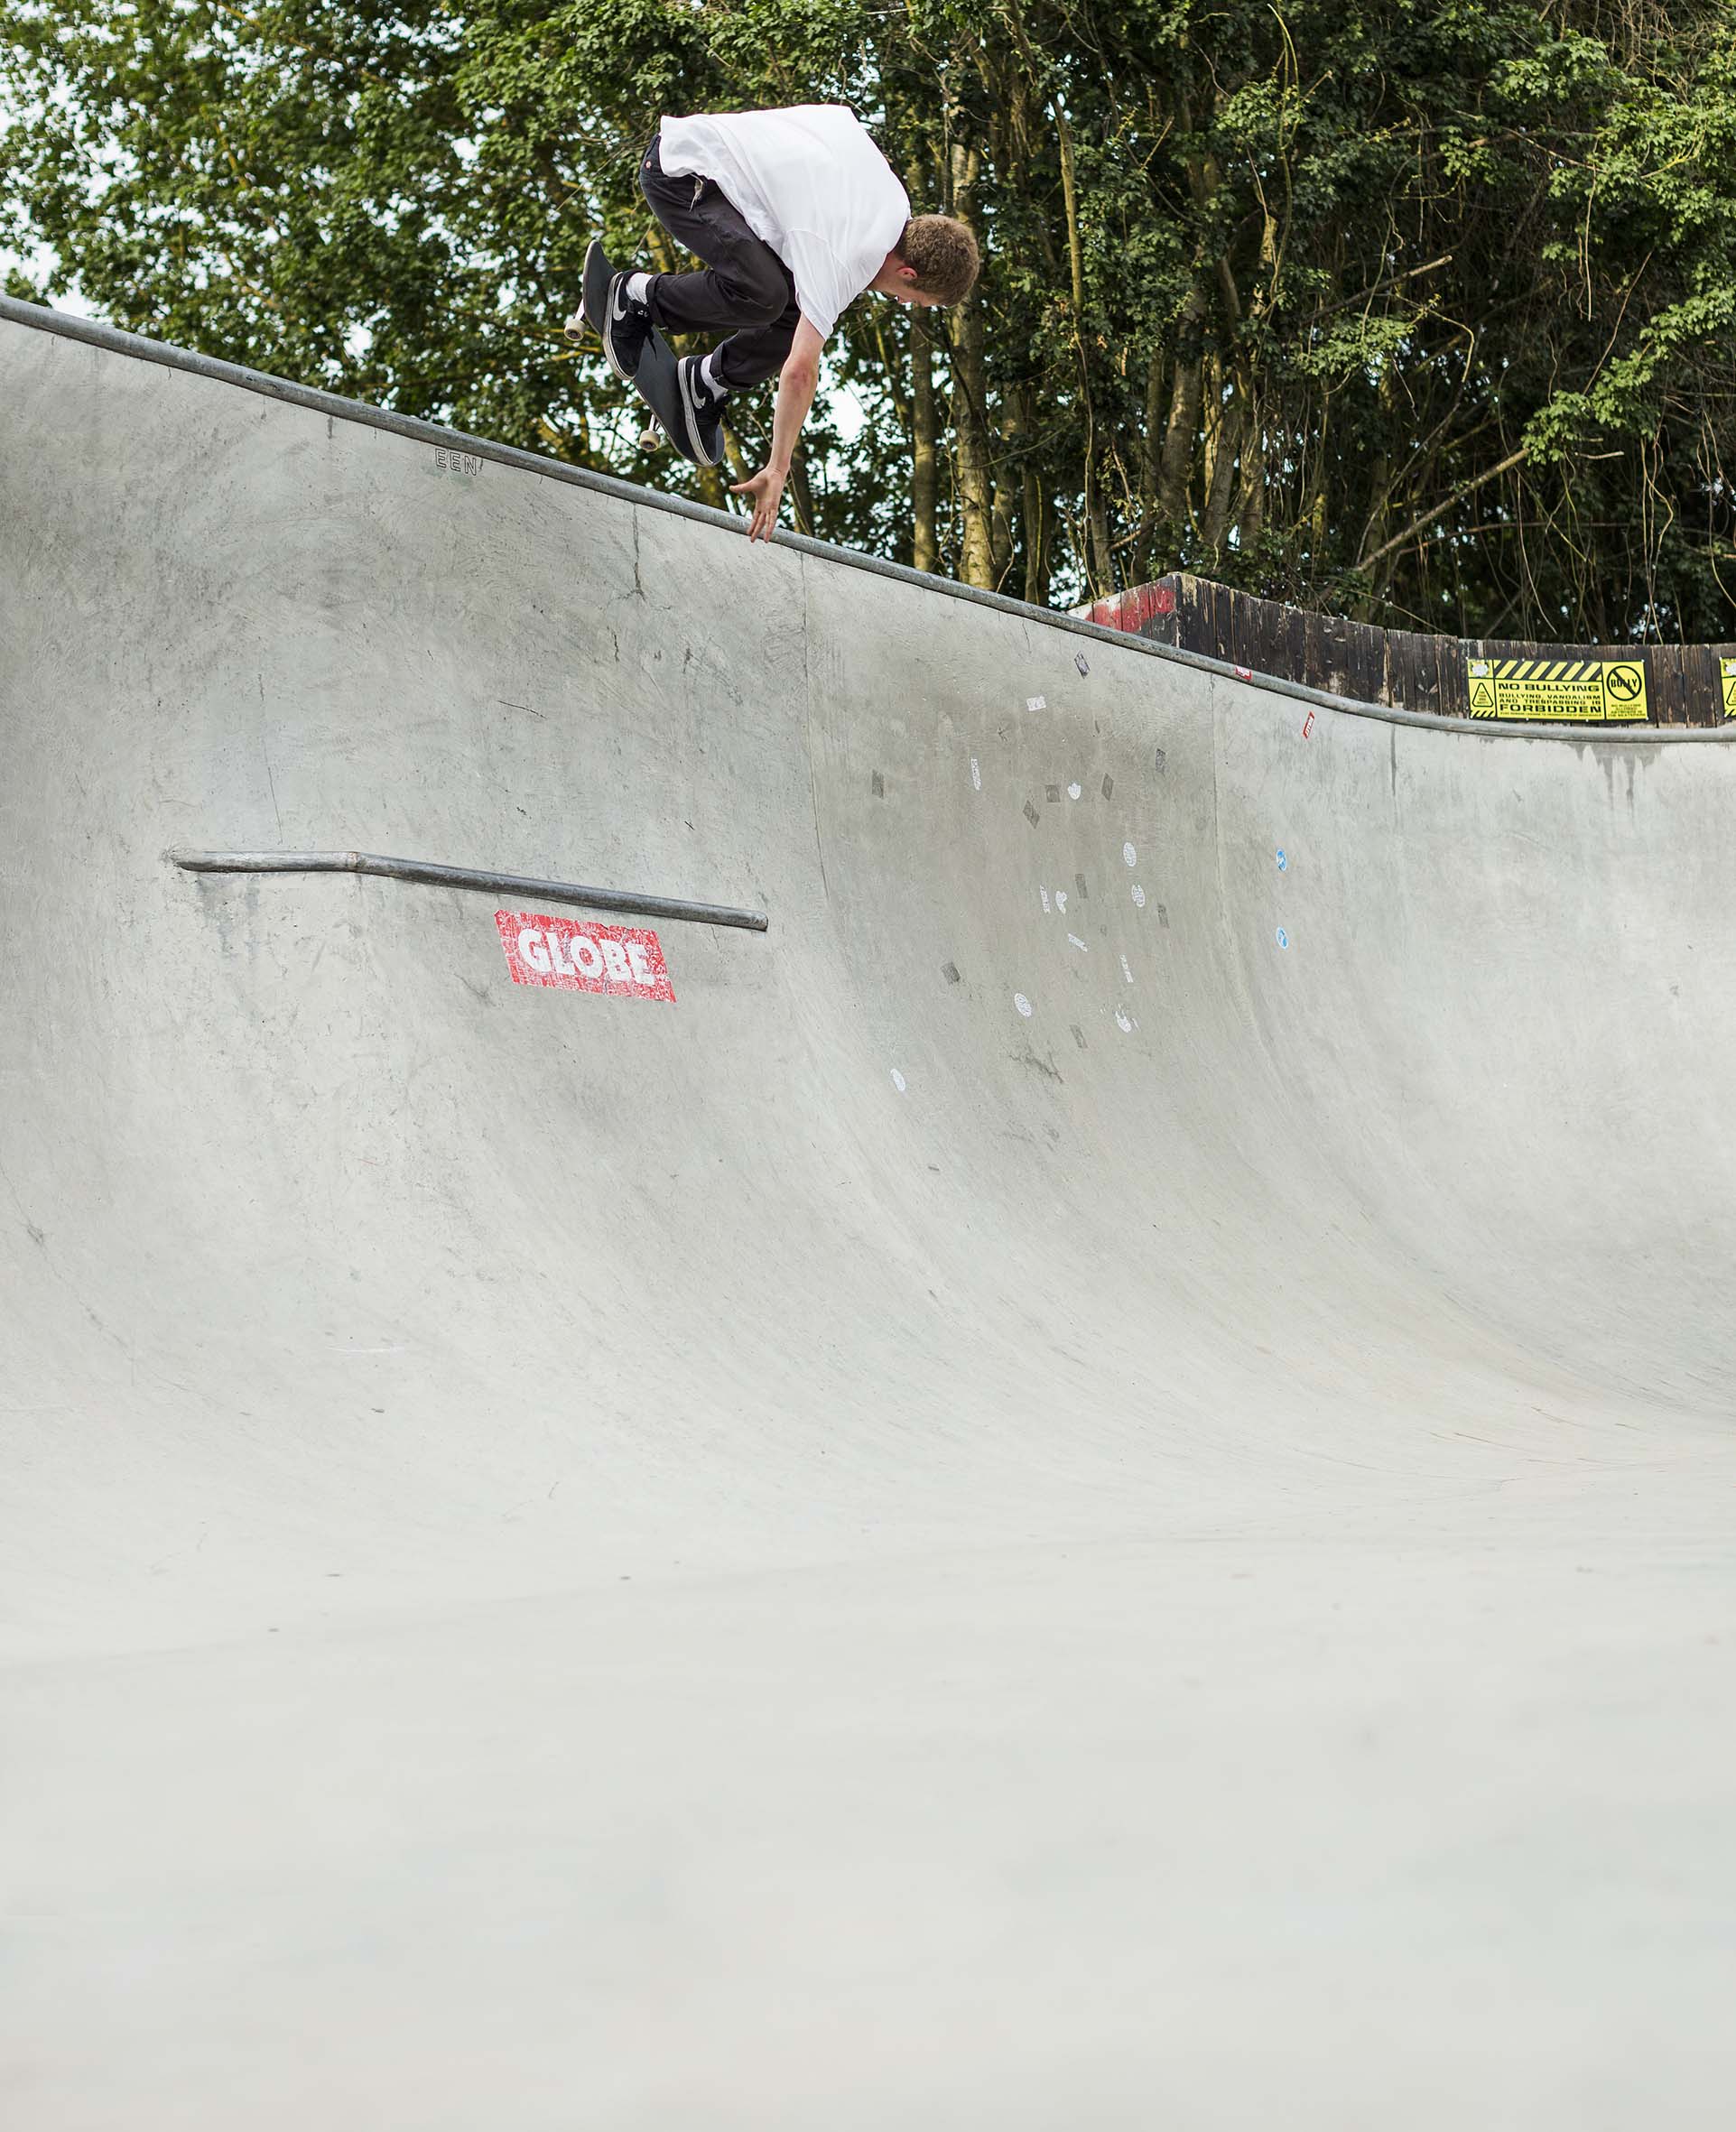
{"type": "Point", "coordinates": [1127, 969]}
{"type": "Point", "coordinates": [1138, 898]}
{"type": "Point", "coordinates": [1121, 1021]}
{"type": "Point", "coordinates": [1061, 901]}
{"type": "Point", "coordinates": [1073, 791]}
{"type": "Point", "coordinates": [898, 1080]}
{"type": "Point", "coordinates": [1045, 894]}
{"type": "Point", "coordinates": [1077, 943]}
{"type": "Point", "coordinates": [1129, 855]}
{"type": "Point", "coordinates": [1035, 703]}
{"type": "Point", "coordinates": [976, 774]}
{"type": "Point", "coordinates": [1023, 1005]}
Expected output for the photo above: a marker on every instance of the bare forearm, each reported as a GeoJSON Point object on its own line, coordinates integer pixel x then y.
{"type": "Point", "coordinates": [796, 391]}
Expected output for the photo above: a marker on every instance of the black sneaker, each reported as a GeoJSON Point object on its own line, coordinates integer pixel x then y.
{"type": "Point", "coordinates": [626, 327]}
{"type": "Point", "coordinates": [701, 411]}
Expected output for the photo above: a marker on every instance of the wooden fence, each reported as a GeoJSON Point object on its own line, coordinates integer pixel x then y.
{"type": "Point", "coordinates": [1664, 684]}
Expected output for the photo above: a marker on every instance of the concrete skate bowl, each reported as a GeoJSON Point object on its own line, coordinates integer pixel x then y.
{"type": "Point", "coordinates": [1090, 1485]}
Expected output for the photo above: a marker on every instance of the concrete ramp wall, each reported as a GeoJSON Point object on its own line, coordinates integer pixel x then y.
{"type": "Point", "coordinates": [1090, 1484]}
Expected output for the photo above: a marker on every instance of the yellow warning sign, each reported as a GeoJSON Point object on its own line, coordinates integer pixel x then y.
{"type": "Point", "coordinates": [1587, 691]}
{"type": "Point", "coordinates": [1727, 674]}
{"type": "Point", "coordinates": [1590, 691]}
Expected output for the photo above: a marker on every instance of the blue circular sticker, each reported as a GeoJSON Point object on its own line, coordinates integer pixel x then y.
{"type": "Point", "coordinates": [1283, 862]}
{"type": "Point", "coordinates": [1284, 938]}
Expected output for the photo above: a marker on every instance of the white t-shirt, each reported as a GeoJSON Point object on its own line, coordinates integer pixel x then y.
{"type": "Point", "coordinates": [809, 182]}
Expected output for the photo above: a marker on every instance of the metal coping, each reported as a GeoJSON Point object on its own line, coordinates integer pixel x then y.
{"type": "Point", "coordinates": [627, 900]}
{"type": "Point", "coordinates": [94, 334]}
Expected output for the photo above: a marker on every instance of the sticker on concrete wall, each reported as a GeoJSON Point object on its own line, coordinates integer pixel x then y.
{"type": "Point", "coordinates": [1587, 691]}
{"type": "Point", "coordinates": [1727, 674]}
{"type": "Point", "coordinates": [574, 955]}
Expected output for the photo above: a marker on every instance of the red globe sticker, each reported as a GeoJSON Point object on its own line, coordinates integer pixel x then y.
{"type": "Point", "coordinates": [575, 956]}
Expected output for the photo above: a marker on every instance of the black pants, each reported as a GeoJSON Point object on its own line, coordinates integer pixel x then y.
{"type": "Point", "coordinates": [744, 283]}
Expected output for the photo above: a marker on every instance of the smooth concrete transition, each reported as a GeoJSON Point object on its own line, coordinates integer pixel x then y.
{"type": "Point", "coordinates": [1091, 1488]}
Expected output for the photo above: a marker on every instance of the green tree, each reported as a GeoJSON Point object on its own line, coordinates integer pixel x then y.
{"type": "Point", "coordinates": [1421, 312]}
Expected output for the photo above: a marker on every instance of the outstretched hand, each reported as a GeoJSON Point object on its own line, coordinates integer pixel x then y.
{"type": "Point", "coordinates": [767, 490]}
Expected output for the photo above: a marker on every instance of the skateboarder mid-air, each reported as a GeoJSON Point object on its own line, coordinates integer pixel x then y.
{"type": "Point", "coordinates": [794, 213]}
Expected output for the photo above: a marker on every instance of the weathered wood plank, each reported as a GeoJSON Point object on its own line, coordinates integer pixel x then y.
{"type": "Point", "coordinates": [1408, 669]}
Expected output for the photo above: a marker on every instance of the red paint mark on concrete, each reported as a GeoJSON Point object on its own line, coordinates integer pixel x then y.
{"type": "Point", "coordinates": [1307, 724]}
{"type": "Point", "coordinates": [571, 954]}
{"type": "Point", "coordinates": [1132, 609]}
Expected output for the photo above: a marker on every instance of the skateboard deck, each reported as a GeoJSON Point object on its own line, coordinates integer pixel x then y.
{"type": "Point", "coordinates": [654, 380]}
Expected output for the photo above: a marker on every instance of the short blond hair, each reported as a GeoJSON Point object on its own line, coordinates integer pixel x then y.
{"type": "Point", "coordinates": [944, 253]}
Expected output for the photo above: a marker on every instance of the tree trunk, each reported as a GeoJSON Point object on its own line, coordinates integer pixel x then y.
{"type": "Point", "coordinates": [1151, 458]}
{"type": "Point", "coordinates": [1378, 516]}
{"type": "Point", "coordinates": [801, 493]}
{"type": "Point", "coordinates": [977, 562]}
{"type": "Point", "coordinates": [1314, 510]}
{"type": "Point", "coordinates": [1222, 439]}
{"type": "Point", "coordinates": [1250, 493]}
{"type": "Point", "coordinates": [1036, 514]}
{"type": "Point", "coordinates": [1007, 486]}
{"type": "Point", "coordinates": [1102, 563]}
{"type": "Point", "coordinates": [925, 461]}
{"type": "Point", "coordinates": [1175, 465]}
{"type": "Point", "coordinates": [1039, 521]}
{"type": "Point", "coordinates": [970, 406]}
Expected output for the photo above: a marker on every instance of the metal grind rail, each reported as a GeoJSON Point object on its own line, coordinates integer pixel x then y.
{"type": "Point", "coordinates": [625, 900]}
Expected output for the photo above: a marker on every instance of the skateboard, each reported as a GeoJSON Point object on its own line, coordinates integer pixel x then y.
{"type": "Point", "coordinates": [655, 378]}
